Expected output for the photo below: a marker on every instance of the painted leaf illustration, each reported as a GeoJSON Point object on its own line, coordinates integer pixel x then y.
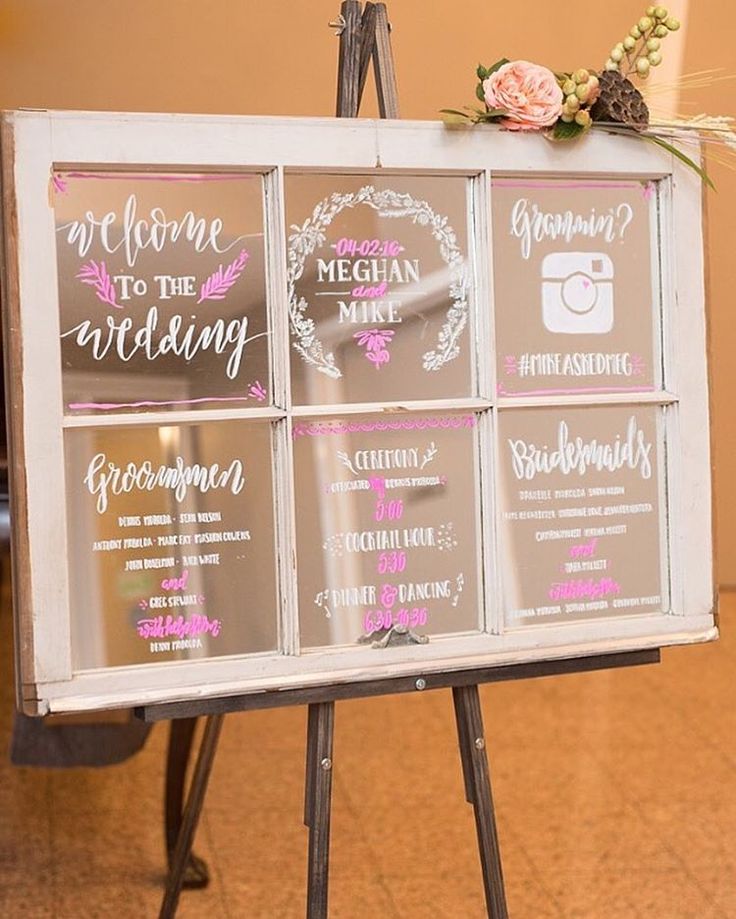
{"type": "Point", "coordinates": [220, 281]}
{"type": "Point", "coordinates": [95, 274]}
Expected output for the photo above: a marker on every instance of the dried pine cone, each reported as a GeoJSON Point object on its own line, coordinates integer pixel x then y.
{"type": "Point", "coordinates": [620, 101]}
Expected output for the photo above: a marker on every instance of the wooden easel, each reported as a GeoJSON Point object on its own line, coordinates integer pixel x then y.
{"type": "Point", "coordinates": [319, 759]}
{"type": "Point", "coordinates": [364, 37]}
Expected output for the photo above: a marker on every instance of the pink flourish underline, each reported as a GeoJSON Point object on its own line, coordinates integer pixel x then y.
{"type": "Point", "coordinates": [448, 422]}
{"type": "Point", "coordinates": [157, 177]}
{"type": "Point", "coordinates": [114, 405]}
{"type": "Point", "coordinates": [531, 183]}
{"type": "Point", "coordinates": [572, 392]}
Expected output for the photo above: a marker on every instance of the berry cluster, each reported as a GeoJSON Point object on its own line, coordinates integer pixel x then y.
{"type": "Point", "coordinates": [580, 90]}
{"type": "Point", "coordinates": [639, 51]}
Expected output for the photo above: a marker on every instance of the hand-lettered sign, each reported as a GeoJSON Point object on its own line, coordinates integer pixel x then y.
{"type": "Point", "coordinates": [295, 403]}
{"type": "Point", "coordinates": [162, 296]}
{"type": "Point", "coordinates": [577, 286]}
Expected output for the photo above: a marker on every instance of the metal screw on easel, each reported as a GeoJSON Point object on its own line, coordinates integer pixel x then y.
{"type": "Point", "coordinates": [326, 764]}
{"type": "Point", "coordinates": [480, 743]}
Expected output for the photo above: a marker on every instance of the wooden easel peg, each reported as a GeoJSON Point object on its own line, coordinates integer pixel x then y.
{"type": "Point", "coordinates": [365, 36]}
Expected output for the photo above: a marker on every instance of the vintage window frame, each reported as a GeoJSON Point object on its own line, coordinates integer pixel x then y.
{"type": "Point", "coordinates": [36, 142]}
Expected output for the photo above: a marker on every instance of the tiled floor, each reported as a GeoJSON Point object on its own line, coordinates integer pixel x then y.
{"type": "Point", "coordinates": [615, 792]}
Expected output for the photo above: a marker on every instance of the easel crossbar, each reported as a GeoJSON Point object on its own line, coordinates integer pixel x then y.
{"type": "Point", "coordinates": [192, 708]}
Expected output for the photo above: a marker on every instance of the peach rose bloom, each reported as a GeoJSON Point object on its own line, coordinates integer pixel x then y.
{"type": "Point", "coordinates": [528, 92]}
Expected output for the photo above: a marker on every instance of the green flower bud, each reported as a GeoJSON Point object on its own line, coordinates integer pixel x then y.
{"type": "Point", "coordinates": [661, 31]}
{"type": "Point", "coordinates": [653, 44]}
{"type": "Point", "coordinates": [610, 65]}
{"type": "Point", "coordinates": [583, 119]}
{"type": "Point", "coordinates": [583, 91]}
{"type": "Point", "coordinates": [642, 67]}
{"type": "Point", "coordinates": [672, 24]}
{"type": "Point", "coordinates": [635, 32]}
{"type": "Point", "coordinates": [617, 54]}
{"type": "Point", "coordinates": [654, 58]}
{"type": "Point", "coordinates": [660, 12]}
{"type": "Point", "coordinates": [581, 76]}
{"type": "Point", "coordinates": [567, 118]}
{"type": "Point", "coordinates": [572, 103]}
{"type": "Point", "coordinates": [645, 23]}
{"type": "Point", "coordinates": [568, 87]}
{"type": "Point", "coordinates": [650, 10]}
{"type": "Point", "coordinates": [629, 43]}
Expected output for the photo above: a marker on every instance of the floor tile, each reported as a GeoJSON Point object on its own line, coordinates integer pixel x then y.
{"type": "Point", "coordinates": [615, 795]}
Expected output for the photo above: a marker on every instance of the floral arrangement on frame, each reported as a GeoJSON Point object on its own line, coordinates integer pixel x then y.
{"type": "Point", "coordinates": [524, 96]}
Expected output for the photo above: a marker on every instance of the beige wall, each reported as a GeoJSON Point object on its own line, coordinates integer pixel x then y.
{"type": "Point", "coordinates": [268, 58]}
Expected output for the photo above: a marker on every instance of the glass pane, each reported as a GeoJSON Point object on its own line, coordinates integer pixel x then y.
{"type": "Point", "coordinates": [583, 513]}
{"type": "Point", "coordinates": [576, 282]}
{"type": "Point", "coordinates": [171, 542]}
{"type": "Point", "coordinates": [161, 291]}
{"type": "Point", "coordinates": [379, 287]}
{"type": "Point", "coordinates": [387, 528]}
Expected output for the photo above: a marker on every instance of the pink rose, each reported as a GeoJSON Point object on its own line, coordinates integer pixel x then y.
{"type": "Point", "coordinates": [529, 93]}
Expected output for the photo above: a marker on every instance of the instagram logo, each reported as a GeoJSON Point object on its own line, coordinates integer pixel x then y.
{"type": "Point", "coordinates": [577, 293]}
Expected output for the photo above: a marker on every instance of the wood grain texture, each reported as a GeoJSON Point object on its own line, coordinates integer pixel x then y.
{"type": "Point", "coordinates": [194, 707]}
{"type": "Point", "coordinates": [349, 61]}
{"type": "Point", "coordinates": [192, 813]}
{"type": "Point", "coordinates": [383, 62]}
{"type": "Point", "coordinates": [318, 804]}
{"type": "Point", "coordinates": [476, 775]}
{"type": "Point", "coordinates": [15, 419]}
{"type": "Point", "coordinates": [367, 43]}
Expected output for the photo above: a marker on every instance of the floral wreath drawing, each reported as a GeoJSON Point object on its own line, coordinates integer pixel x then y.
{"type": "Point", "coordinates": [391, 204]}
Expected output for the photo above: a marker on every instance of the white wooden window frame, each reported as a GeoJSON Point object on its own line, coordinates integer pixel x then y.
{"type": "Point", "coordinates": [34, 143]}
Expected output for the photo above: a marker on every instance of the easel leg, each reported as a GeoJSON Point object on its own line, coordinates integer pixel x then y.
{"type": "Point", "coordinates": [181, 737]}
{"type": "Point", "coordinates": [317, 804]}
{"type": "Point", "coordinates": [478, 793]}
{"type": "Point", "coordinates": [192, 812]}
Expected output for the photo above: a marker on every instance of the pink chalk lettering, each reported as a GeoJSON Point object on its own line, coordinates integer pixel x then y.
{"type": "Point", "coordinates": [176, 583]}
{"type": "Point", "coordinates": [391, 562]}
{"type": "Point", "coordinates": [364, 292]}
{"type": "Point", "coordinates": [378, 484]}
{"type": "Point", "coordinates": [389, 593]}
{"type": "Point", "coordinates": [367, 247]}
{"type": "Point", "coordinates": [388, 510]}
{"type": "Point", "coordinates": [378, 619]}
{"type": "Point", "coordinates": [584, 589]}
{"type": "Point", "coordinates": [198, 624]}
{"type": "Point", "coordinates": [584, 550]}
